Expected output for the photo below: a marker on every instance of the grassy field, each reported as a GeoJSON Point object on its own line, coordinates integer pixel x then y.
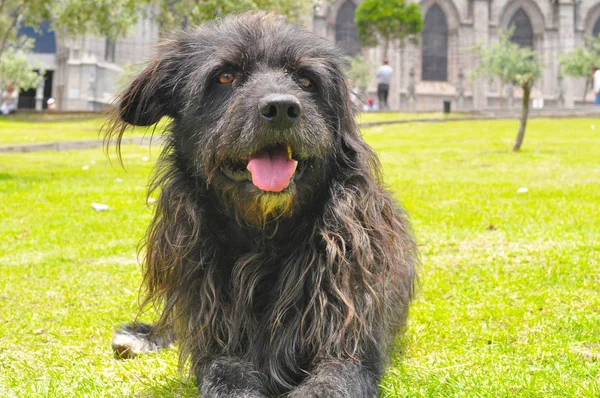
{"type": "Point", "coordinates": [20, 130]}
{"type": "Point", "coordinates": [509, 304]}
{"type": "Point", "coordinates": [25, 129]}
{"type": "Point", "coordinates": [365, 117]}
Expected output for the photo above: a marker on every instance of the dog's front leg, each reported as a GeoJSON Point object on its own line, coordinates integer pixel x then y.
{"type": "Point", "coordinates": [229, 378]}
{"type": "Point", "coordinates": [339, 379]}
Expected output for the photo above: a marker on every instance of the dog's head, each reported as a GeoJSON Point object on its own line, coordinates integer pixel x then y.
{"type": "Point", "coordinates": [260, 110]}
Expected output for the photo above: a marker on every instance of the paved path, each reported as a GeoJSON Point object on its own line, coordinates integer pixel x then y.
{"type": "Point", "coordinates": [488, 115]}
{"type": "Point", "coordinates": [69, 145]}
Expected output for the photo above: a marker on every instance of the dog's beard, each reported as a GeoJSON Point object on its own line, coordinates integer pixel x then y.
{"type": "Point", "coordinates": [258, 209]}
{"type": "Point", "coordinates": [268, 207]}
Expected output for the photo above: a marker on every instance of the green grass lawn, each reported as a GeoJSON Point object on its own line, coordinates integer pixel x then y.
{"type": "Point", "coordinates": [509, 303]}
{"type": "Point", "coordinates": [365, 117]}
{"type": "Point", "coordinates": [26, 129]}
{"type": "Point", "coordinates": [19, 130]}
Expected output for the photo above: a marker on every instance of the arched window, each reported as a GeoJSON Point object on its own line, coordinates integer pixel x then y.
{"type": "Point", "coordinates": [346, 35]}
{"type": "Point", "coordinates": [523, 32]}
{"type": "Point", "coordinates": [596, 30]}
{"type": "Point", "coordinates": [435, 45]}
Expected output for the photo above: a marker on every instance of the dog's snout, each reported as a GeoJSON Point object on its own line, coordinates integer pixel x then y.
{"type": "Point", "coordinates": [280, 110]}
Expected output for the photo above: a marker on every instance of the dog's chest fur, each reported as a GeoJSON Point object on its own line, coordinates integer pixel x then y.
{"type": "Point", "coordinates": [267, 315]}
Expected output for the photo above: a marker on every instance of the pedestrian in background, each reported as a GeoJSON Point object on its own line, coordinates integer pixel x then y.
{"type": "Point", "coordinates": [384, 78]}
{"type": "Point", "coordinates": [596, 84]}
{"type": "Point", "coordinates": [10, 97]}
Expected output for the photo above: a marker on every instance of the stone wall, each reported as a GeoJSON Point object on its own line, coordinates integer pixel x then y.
{"type": "Point", "coordinates": [557, 27]}
{"type": "Point", "coordinates": [87, 70]}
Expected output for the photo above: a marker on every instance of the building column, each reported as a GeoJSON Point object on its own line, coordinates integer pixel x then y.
{"type": "Point", "coordinates": [39, 93]}
{"type": "Point", "coordinates": [319, 19]}
{"type": "Point", "coordinates": [400, 77]}
{"type": "Point", "coordinates": [92, 84]}
{"type": "Point", "coordinates": [460, 91]}
{"type": "Point", "coordinates": [408, 87]}
{"type": "Point", "coordinates": [411, 90]}
{"type": "Point", "coordinates": [566, 40]}
{"type": "Point", "coordinates": [481, 26]}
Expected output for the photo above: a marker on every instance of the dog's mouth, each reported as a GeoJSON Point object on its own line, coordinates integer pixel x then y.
{"type": "Point", "coordinates": [271, 169]}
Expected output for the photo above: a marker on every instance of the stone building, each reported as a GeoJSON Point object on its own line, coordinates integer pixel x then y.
{"type": "Point", "coordinates": [438, 68]}
{"type": "Point", "coordinates": [84, 73]}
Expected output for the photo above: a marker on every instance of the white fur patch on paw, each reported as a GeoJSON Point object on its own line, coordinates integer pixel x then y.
{"type": "Point", "coordinates": [128, 345]}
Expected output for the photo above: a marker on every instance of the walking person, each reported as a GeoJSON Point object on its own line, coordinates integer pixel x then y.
{"type": "Point", "coordinates": [384, 78]}
{"type": "Point", "coordinates": [596, 84]}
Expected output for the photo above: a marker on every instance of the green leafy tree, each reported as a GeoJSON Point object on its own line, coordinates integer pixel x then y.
{"type": "Point", "coordinates": [387, 20]}
{"type": "Point", "coordinates": [112, 18]}
{"type": "Point", "coordinates": [182, 13]}
{"type": "Point", "coordinates": [580, 61]}
{"type": "Point", "coordinates": [15, 68]}
{"type": "Point", "coordinates": [514, 65]}
{"type": "Point", "coordinates": [359, 70]}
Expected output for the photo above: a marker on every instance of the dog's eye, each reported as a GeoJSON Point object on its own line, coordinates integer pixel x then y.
{"type": "Point", "coordinates": [226, 78]}
{"type": "Point", "coordinates": [306, 83]}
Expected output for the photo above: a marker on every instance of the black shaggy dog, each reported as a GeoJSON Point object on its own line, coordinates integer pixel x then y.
{"type": "Point", "coordinates": [280, 262]}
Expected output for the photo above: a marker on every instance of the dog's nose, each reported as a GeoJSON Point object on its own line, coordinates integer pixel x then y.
{"type": "Point", "coordinates": [280, 110]}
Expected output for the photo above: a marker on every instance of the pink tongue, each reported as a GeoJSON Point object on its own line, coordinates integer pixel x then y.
{"type": "Point", "coordinates": [271, 170]}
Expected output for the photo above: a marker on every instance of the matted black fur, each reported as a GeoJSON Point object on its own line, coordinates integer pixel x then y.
{"type": "Point", "coordinates": [299, 292]}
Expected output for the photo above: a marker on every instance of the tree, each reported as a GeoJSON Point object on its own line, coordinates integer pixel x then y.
{"type": "Point", "coordinates": [15, 68]}
{"type": "Point", "coordinates": [182, 13]}
{"type": "Point", "coordinates": [514, 65]}
{"type": "Point", "coordinates": [580, 61]}
{"type": "Point", "coordinates": [387, 20]}
{"type": "Point", "coordinates": [69, 17]}
{"type": "Point", "coordinates": [112, 18]}
{"type": "Point", "coordinates": [359, 71]}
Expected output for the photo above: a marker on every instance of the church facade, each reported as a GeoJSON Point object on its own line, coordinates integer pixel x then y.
{"type": "Point", "coordinates": [438, 68]}
{"type": "Point", "coordinates": [84, 73]}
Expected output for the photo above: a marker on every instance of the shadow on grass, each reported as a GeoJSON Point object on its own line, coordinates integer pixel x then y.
{"type": "Point", "coordinates": [26, 178]}
{"type": "Point", "coordinates": [6, 177]}
{"type": "Point", "coordinates": [399, 347]}
{"type": "Point", "coordinates": [170, 387]}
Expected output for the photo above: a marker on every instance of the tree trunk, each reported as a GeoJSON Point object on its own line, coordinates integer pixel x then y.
{"type": "Point", "coordinates": [402, 83]}
{"type": "Point", "coordinates": [10, 27]}
{"type": "Point", "coordinates": [585, 90]}
{"type": "Point", "coordinates": [386, 46]}
{"type": "Point", "coordinates": [501, 94]}
{"type": "Point", "coordinates": [525, 112]}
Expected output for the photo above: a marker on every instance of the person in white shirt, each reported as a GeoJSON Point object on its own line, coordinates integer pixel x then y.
{"type": "Point", "coordinates": [596, 84]}
{"type": "Point", "coordinates": [10, 96]}
{"type": "Point", "coordinates": [384, 78]}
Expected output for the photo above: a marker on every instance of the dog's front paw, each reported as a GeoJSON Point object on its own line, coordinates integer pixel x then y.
{"type": "Point", "coordinates": [237, 394]}
{"type": "Point", "coordinates": [319, 390]}
{"type": "Point", "coordinates": [229, 377]}
{"type": "Point", "coordinates": [138, 338]}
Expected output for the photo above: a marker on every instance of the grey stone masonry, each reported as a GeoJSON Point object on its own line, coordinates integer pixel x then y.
{"type": "Point", "coordinates": [550, 27]}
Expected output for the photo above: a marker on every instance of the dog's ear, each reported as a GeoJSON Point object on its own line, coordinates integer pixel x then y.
{"type": "Point", "coordinates": [149, 97]}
